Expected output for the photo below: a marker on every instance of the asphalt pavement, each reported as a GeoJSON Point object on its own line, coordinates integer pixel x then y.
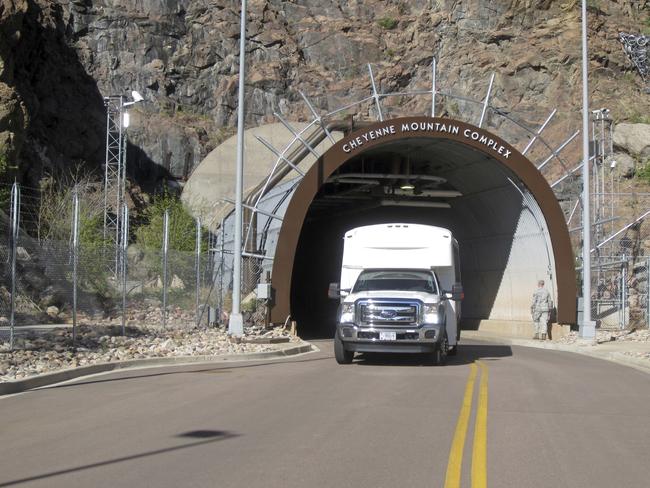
{"type": "Point", "coordinates": [496, 415]}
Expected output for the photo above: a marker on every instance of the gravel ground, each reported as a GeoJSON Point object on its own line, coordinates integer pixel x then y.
{"type": "Point", "coordinates": [40, 352]}
{"type": "Point", "coordinates": [603, 336]}
{"type": "Point", "coordinates": [619, 336]}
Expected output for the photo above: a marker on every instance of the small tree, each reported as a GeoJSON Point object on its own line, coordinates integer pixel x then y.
{"type": "Point", "coordinates": [182, 227]}
{"type": "Point", "coordinates": [182, 237]}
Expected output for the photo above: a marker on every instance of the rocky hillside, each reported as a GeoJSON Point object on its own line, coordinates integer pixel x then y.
{"type": "Point", "coordinates": [59, 58]}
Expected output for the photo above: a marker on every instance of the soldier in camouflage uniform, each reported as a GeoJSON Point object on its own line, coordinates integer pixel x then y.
{"type": "Point", "coordinates": [541, 310]}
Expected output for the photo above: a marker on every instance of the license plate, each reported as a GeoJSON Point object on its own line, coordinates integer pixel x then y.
{"type": "Point", "coordinates": [387, 336]}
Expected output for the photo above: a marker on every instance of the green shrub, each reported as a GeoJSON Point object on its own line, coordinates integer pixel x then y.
{"type": "Point", "coordinates": [5, 184]}
{"type": "Point", "coordinates": [387, 23]}
{"type": "Point", "coordinates": [643, 172]}
{"type": "Point", "coordinates": [182, 226]}
{"type": "Point", "coordinates": [182, 238]}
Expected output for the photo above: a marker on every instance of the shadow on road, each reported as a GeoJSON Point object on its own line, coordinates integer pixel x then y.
{"type": "Point", "coordinates": [214, 436]}
{"type": "Point", "coordinates": [467, 354]}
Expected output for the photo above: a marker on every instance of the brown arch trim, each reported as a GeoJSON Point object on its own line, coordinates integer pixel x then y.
{"type": "Point", "coordinates": [423, 127]}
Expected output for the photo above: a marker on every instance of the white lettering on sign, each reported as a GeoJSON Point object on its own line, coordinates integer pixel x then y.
{"type": "Point", "coordinates": [371, 135]}
{"type": "Point", "coordinates": [426, 126]}
{"type": "Point", "coordinates": [491, 143]}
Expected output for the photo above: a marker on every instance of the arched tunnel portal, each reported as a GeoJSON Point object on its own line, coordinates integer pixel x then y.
{"type": "Point", "coordinates": [509, 225]}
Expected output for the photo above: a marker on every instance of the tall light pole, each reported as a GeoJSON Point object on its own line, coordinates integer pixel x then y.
{"type": "Point", "coordinates": [236, 321]}
{"type": "Point", "coordinates": [117, 121]}
{"type": "Point", "coordinates": [587, 326]}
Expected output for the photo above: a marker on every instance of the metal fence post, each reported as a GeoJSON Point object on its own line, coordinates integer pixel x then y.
{"type": "Point", "coordinates": [75, 262]}
{"type": "Point", "coordinates": [222, 268]}
{"type": "Point", "coordinates": [123, 271]}
{"type": "Point", "coordinates": [15, 225]}
{"type": "Point", "coordinates": [647, 289]}
{"type": "Point", "coordinates": [624, 291]}
{"type": "Point", "coordinates": [165, 248]}
{"type": "Point", "coordinates": [198, 270]}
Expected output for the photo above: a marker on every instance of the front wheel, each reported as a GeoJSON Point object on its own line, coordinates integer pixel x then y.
{"type": "Point", "coordinates": [441, 352]}
{"type": "Point", "coordinates": [342, 356]}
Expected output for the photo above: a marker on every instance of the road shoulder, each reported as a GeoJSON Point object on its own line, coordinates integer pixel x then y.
{"type": "Point", "coordinates": [48, 379]}
{"type": "Point", "coordinates": [608, 351]}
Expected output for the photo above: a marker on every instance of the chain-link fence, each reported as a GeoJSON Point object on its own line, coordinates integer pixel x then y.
{"type": "Point", "coordinates": [620, 278]}
{"type": "Point", "coordinates": [70, 275]}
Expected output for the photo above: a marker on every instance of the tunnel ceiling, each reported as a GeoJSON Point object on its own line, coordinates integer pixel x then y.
{"type": "Point", "coordinates": [442, 173]}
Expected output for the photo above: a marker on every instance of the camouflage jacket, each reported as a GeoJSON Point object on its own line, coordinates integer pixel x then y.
{"type": "Point", "coordinates": [542, 301]}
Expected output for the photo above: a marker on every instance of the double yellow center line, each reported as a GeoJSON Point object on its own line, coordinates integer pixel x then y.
{"type": "Point", "coordinates": [479, 449]}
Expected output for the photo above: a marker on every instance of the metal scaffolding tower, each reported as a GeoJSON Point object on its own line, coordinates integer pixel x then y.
{"type": "Point", "coordinates": [114, 170]}
{"type": "Point", "coordinates": [117, 120]}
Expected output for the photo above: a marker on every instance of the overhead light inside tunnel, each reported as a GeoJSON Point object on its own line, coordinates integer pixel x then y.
{"type": "Point", "coordinates": [357, 181]}
{"type": "Point", "coordinates": [389, 176]}
{"type": "Point", "coordinates": [412, 203]}
{"type": "Point", "coordinates": [430, 193]}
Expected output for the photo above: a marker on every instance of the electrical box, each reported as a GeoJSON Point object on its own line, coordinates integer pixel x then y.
{"type": "Point", "coordinates": [263, 291]}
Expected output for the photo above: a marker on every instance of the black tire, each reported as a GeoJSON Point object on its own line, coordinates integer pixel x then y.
{"type": "Point", "coordinates": [441, 352]}
{"type": "Point", "coordinates": [342, 356]}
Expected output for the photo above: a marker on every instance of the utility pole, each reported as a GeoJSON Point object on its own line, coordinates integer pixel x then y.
{"type": "Point", "coordinates": [587, 328]}
{"type": "Point", "coordinates": [236, 321]}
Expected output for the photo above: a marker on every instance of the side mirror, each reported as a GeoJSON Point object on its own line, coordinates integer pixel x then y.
{"type": "Point", "coordinates": [456, 293]}
{"type": "Point", "coordinates": [334, 292]}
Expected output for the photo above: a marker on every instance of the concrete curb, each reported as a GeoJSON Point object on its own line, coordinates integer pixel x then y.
{"type": "Point", "coordinates": [612, 356]}
{"type": "Point", "coordinates": [47, 379]}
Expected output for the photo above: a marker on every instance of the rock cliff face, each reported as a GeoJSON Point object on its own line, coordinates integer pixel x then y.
{"type": "Point", "coordinates": [60, 58]}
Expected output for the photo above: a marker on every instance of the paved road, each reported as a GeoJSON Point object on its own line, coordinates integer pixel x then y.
{"type": "Point", "coordinates": [519, 418]}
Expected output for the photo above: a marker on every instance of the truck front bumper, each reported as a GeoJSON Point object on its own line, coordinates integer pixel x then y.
{"type": "Point", "coordinates": [422, 339]}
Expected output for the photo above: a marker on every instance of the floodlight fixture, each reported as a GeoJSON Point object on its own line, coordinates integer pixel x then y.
{"type": "Point", "coordinates": [136, 98]}
{"type": "Point", "coordinates": [406, 185]}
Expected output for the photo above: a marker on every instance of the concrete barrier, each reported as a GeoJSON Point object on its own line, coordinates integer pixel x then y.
{"type": "Point", "coordinates": [47, 379]}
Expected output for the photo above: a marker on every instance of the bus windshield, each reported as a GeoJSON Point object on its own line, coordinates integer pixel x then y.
{"type": "Point", "coordinates": [396, 279]}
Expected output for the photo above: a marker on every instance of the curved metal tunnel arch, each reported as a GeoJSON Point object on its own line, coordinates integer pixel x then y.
{"type": "Point", "coordinates": [535, 193]}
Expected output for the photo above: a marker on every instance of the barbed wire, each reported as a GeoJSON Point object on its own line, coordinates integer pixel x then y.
{"type": "Point", "coordinates": [636, 48]}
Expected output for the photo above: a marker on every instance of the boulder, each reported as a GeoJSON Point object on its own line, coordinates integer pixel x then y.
{"type": "Point", "coordinates": [634, 139]}
{"type": "Point", "coordinates": [177, 283]}
{"type": "Point", "coordinates": [249, 302]}
{"type": "Point", "coordinates": [22, 254]}
{"type": "Point", "coordinates": [52, 311]}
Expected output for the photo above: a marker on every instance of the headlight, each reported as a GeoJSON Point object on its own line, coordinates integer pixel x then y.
{"type": "Point", "coordinates": [431, 315]}
{"type": "Point", "coordinates": [347, 313]}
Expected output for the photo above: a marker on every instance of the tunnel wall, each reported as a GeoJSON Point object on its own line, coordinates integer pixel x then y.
{"type": "Point", "coordinates": [540, 222]}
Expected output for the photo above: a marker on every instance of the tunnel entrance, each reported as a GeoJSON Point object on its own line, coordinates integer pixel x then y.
{"type": "Point", "coordinates": [510, 228]}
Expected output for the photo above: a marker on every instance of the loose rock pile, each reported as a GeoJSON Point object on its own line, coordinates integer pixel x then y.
{"type": "Point", "coordinates": [41, 352]}
{"type": "Point", "coordinates": [603, 336]}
